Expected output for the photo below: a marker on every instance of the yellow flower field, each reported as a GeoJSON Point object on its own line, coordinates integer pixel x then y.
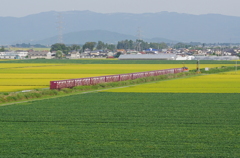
{"type": "Point", "coordinates": [215, 83]}
{"type": "Point", "coordinates": [39, 75]}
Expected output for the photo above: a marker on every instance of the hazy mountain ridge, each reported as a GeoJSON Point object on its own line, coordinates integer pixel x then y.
{"type": "Point", "coordinates": [81, 37]}
{"type": "Point", "coordinates": [168, 25]}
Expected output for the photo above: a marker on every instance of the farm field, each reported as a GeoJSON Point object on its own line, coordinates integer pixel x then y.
{"type": "Point", "coordinates": [132, 125]}
{"type": "Point", "coordinates": [189, 117]}
{"type": "Point", "coordinates": [39, 75]}
{"type": "Point", "coordinates": [228, 82]}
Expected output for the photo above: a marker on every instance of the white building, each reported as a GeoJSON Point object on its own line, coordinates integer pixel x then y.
{"type": "Point", "coordinates": [161, 56]}
{"type": "Point", "coordinates": [186, 57]}
{"type": "Point", "coordinates": [13, 55]}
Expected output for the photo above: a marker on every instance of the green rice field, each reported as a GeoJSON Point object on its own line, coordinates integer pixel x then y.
{"type": "Point", "coordinates": [108, 124]}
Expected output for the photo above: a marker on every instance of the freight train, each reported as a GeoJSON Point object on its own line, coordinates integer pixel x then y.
{"type": "Point", "coordinates": [70, 83]}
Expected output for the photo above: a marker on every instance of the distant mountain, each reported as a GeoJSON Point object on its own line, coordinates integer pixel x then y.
{"type": "Point", "coordinates": [168, 25]}
{"type": "Point", "coordinates": [94, 36]}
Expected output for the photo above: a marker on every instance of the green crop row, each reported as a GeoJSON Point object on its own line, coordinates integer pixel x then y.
{"type": "Point", "coordinates": [123, 125]}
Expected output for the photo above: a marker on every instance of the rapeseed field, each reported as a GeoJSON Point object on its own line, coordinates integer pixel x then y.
{"type": "Point", "coordinates": [215, 83]}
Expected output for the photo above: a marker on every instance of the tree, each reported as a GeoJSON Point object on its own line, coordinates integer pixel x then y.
{"type": "Point", "coordinates": [142, 45]}
{"type": "Point", "coordinates": [127, 44]}
{"type": "Point", "coordinates": [158, 45]}
{"type": "Point", "coordinates": [111, 47]}
{"type": "Point", "coordinates": [74, 47]}
{"type": "Point", "coordinates": [2, 49]}
{"type": "Point", "coordinates": [59, 54]}
{"type": "Point", "coordinates": [162, 45]}
{"type": "Point", "coordinates": [100, 45]}
{"type": "Point", "coordinates": [61, 47]}
{"type": "Point", "coordinates": [181, 45]}
{"type": "Point", "coordinates": [89, 45]}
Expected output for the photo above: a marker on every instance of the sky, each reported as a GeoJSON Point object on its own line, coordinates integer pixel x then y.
{"type": "Point", "coordinates": [20, 8]}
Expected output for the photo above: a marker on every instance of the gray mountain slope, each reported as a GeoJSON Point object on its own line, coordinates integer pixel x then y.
{"type": "Point", "coordinates": [168, 25]}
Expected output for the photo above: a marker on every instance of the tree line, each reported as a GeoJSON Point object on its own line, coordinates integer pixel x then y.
{"type": "Point", "coordinates": [28, 45]}
{"type": "Point", "coordinates": [88, 45]}
{"type": "Point", "coordinates": [125, 44]}
{"type": "Point", "coordinates": [140, 45]}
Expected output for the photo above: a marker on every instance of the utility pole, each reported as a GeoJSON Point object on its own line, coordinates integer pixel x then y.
{"type": "Point", "coordinates": [198, 67]}
{"type": "Point", "coordinates": [236, 67]}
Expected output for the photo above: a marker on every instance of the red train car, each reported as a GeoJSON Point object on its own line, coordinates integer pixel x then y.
{"type": "Point", "coordinates": [138, 75]}
{"type": "Point", "coordinates": [124, 77]}
{"type": "Point", "coordinates": [111, 78]}
{"type": "Point", "coordinates": [62, 84]}
{"type": "Point", "coordinates": [178, 70]}
{"type": "Point", "coordinates": [82, 81]}
{"type": "Point", "coordinates": [97, 80]}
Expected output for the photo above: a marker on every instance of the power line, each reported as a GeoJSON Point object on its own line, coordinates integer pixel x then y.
{"type": "Point", "coordinates": [60, 27]}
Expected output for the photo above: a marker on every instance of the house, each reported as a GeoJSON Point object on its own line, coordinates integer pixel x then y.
{"type": "Point", "coordinates": [151, 51]}
{"type": "Point", "coordinates": [218, 52]}
{"type": "Point", "coordinates": [40, 55]}
{"type": "Point", "coordinates": [98, 53]}
{"type": "Point", "coordinates": [74, 55]}
{"type": "Point", "coordinates": [95, 53]}
{"type": "Point", "coordinates": [123, 51]}
{"type": "Point", "coordinates": [110, 54]}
